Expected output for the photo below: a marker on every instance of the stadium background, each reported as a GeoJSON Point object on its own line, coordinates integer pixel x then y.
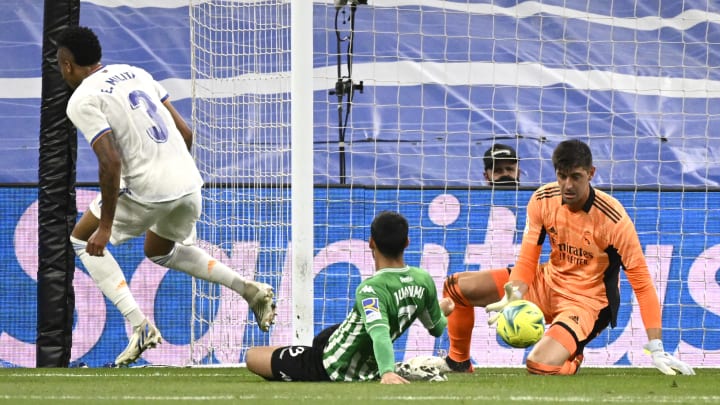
{"type": "Point", "coordinates": [641, 137]}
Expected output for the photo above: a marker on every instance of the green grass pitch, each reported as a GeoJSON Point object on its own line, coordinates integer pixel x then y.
{"type": "Point", "coordinates": [156, 385]}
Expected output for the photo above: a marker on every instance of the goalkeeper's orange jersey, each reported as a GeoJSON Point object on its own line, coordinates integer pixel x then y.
{"type": "Point", "coordinates": [588, 247]}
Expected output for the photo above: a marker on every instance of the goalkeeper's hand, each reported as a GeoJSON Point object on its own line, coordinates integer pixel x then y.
{"type": "Point", "coordinates": [512, 293]}
{"type": "Point", "coordinates": [664, 361]}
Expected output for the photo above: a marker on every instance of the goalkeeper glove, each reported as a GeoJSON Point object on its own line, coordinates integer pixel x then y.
{"type": "Point", "coordinates": [512, 293]}
{"type": "Point", "coordinates": [664, 361]}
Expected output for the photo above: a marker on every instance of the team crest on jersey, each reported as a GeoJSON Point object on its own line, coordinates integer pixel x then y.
{"type": "Point", "coordinates": [371, 306]}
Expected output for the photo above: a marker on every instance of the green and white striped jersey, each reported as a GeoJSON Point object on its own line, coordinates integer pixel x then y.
{"type": "Point", "coordinates": [391, 299]}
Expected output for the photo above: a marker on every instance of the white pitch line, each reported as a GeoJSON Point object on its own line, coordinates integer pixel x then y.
{"type": "Point", "coordinates": [120, 398]}
{"type": "Point", "coordinates": [527, 398]}
{"type": "Point", "coordinates": [114, 375]}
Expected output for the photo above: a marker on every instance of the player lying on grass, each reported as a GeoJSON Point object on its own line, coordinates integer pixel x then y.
{"type": "Point", "coordinates": [591, 237]}
{"type": "Point", "coordinates": [149, 184]}
{"type": "Point", "coordinates": [386, 304]}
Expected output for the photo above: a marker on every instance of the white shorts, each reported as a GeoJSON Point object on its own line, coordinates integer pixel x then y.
{"type": "Point", "coordinates": [174, 220]}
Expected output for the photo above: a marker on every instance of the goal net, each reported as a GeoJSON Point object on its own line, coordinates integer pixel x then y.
{"type": "Point", "coordinates": [241, 104]}
{"type": "Point", "coordinates": [408, 96]}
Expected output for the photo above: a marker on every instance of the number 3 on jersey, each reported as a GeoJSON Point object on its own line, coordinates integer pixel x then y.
{"type": "Point", "coordinates": [157, 132]}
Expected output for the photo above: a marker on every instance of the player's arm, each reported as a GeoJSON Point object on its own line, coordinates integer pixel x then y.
{"type": "Point", "coordinates": [85, 113]}
{"type": "Point", "coordinates": [384, 354]}
{"type": "Point", "coordinates": [433, 317]}
{"type": "Point", "coordinates": [523, 273]}
{"type": "Point", "coordinates": [180, 123]}
{"type": "Point", "coordinates": [383, 350]}
{"type": "Point", "coordinates": [625, 239]}
{"type": "Point", "coordinates": [109, 165]}
{"type": "Point", "coordinates": [629, 247]}
{"type": "Point", "coordinates": [374, 316]}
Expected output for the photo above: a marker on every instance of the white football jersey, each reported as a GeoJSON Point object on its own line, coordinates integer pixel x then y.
{"type": "Point", "coordinates": [156, 164]}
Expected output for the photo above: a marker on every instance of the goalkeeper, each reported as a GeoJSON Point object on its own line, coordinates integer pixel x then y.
{"type": "Point", "coordinates": [591, 237]}
{"type": "Point", "coordinates": [386, 304]}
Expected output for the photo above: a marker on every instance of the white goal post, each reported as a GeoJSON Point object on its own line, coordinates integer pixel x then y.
{"type": "Point", "coordinates": [247, 84]}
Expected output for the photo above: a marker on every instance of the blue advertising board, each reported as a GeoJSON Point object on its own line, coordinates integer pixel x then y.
{"type": "Point", "coordinates": [451, 231]}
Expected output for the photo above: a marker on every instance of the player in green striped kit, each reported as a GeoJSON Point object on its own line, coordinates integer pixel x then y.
{"type": "Point", "coordinates": [386, 304]}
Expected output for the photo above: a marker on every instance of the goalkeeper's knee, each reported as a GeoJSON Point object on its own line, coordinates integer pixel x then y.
{"type": "Point", "coordinates": [534, 367]}
{"type": "Point", "coordinates": [570, 367]}
{"type": "Point", "coordinates": [451, 289]}
{"type": "Point", "coordinates": [562, 335]}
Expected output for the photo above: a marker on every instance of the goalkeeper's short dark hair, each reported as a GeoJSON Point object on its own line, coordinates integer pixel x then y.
{"type": "Point", "coordinates": [389, 230]}
{"type": "Point", "coordinates": [571, 154]}
{"type": "Point", "coordinates": [82, 43]}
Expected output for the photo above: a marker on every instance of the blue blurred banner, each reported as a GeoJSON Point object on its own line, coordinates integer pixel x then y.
{"type": "Point", "coordinates": [443, 80]}
{"type": "Point", "coordinates": [471, 230]}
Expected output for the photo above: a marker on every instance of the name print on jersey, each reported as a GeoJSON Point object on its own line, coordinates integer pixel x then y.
{"type": "Point", "coordinates": [113, 80]}
{"type": "Point", "coordinates": [411, 291]}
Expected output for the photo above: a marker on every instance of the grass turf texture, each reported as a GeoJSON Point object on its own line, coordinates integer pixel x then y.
{"type": "Point", "coordinates": [232, 385]}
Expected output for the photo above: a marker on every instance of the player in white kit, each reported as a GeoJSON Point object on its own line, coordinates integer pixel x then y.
{"type": "Point", "coordinates": [149, 184]}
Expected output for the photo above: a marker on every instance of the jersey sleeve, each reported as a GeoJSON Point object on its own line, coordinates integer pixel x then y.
{"type": "Point", "coordinates": [432, 318]}
{"type": "Point", "coordinates": [370, 300]}
{"type": "Point", "coordinates": [626, 240]}
{"type": "Point", "coordinates": [531, 245]}
{"type": "Point", "coordinates": [88, 118]}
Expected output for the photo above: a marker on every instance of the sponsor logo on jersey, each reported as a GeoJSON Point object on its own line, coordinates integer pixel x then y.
{"type": "Point", "coordinates": [406, 279]}
{"type": "Point", "coordinates": [574, 255]}
{"type": "Point", "coordinates": [367, 289]}
{"type": "Point", "coordinates": [371, 306]}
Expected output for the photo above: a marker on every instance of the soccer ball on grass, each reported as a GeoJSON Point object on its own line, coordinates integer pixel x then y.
{"type": "Point", "coordinates": [521, 324]}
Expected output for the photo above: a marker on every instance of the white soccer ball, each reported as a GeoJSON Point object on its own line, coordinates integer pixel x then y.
{"type": "Point", "coordinates": [521, 324]}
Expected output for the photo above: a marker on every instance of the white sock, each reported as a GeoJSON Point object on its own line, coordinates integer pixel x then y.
{"type": "Point", "coordinates": [198, 263]}
{"type": "Point", "coordinates": [108, 276]}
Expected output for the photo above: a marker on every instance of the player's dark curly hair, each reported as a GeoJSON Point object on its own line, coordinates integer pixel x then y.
{"type": "Point", "coordinates": [389, 230]}
{"type": "Point", "coordinates": [82, 43]}
{"type": "Point", "coordinates": [572, 154]}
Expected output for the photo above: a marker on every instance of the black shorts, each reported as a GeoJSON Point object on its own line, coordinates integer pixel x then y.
{"type": "Point", "coordinates": [302, 363]}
